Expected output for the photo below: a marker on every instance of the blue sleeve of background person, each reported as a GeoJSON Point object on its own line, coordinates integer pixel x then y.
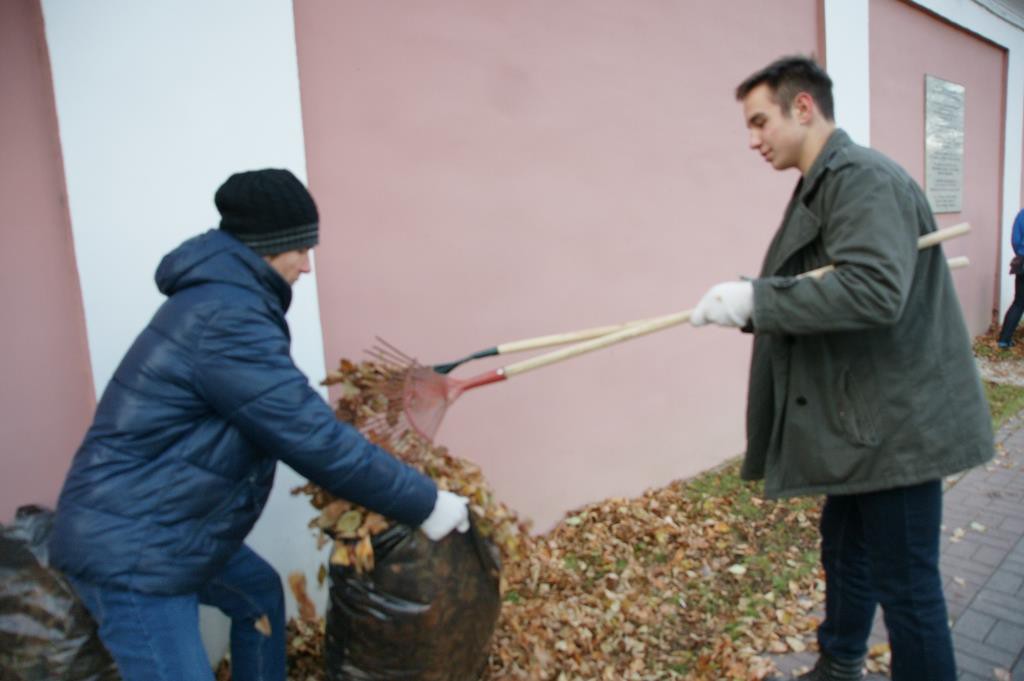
{"type": "Point", "coordinates": [1017, 239]}
{"type": "Point", "coordinates": [246, 372]}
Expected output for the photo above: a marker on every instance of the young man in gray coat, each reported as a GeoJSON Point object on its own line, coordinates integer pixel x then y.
{"type": "Point", "coordinates": [862, 383]}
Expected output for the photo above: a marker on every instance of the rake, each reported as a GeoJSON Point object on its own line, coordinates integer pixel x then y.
{"type": "Point", "coordinates": [424, 393]}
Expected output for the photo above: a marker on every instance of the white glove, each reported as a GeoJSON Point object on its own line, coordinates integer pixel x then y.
{"type": "Point", "coordinates": [727, 304]}
{"type": "Point", "coordinates": [450, 513]}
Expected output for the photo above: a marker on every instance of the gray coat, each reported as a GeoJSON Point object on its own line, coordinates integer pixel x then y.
{"type": "Point", "coordinates": [863, 380]}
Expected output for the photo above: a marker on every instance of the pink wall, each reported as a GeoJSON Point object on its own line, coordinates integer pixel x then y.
{"type": "Point", "coordinates": [906, 44]}
{"type": "Point", "coordinates": [492, 171]}
{"type": "Point", "coordinates": [46, 395]}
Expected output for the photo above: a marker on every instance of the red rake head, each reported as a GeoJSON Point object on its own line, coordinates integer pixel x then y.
{"type": "Point", "coordinates": [416, 394]}
{"type": "Point", "coordinates": [425, 399]}
{"type": "Point", "coordinates": [427, 396]}
{"type": "Point", "coordinates": [422, 394]}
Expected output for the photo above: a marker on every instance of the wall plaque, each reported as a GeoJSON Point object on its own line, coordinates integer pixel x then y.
{"type": "Point", "coordinates": [944, 144]}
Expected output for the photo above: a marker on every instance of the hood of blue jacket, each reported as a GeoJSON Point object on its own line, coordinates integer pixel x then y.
{"type": "Point", "coordinates": [216, 257]}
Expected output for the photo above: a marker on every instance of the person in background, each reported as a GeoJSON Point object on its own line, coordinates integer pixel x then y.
{"type": "Point", "coordinates": [1013, 314]}
{"type": "Point", "coordinates": [862, 383]}
{"type": "Point", "coordinates": [180, 457]}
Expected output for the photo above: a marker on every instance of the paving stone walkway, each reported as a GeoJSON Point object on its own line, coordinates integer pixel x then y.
{"type": "Point", "coordinates": [982, 564]}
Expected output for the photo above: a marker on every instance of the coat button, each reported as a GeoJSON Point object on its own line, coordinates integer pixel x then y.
{"type": "Point", "coordinates": [801, 400]}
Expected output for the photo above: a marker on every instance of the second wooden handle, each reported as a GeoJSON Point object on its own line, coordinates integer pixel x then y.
{"type": "Point", "coordinates": [643, 328]}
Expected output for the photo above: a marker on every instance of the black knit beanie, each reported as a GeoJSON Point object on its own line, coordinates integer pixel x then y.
{"type": "Point", "coordinates": [269, 210]}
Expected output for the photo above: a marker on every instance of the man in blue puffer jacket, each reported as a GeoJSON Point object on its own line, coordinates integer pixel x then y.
{"type": "Point", "coordinates": [180, 458]}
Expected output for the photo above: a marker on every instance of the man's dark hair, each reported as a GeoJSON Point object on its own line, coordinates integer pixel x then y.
{"type": "Point", "coordinates": [789, 76]}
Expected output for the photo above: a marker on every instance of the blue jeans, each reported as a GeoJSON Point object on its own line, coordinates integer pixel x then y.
{"type": "Point", "coordinates": [882, 548]}
{"type": "Point", "coordinates": [1014, 312]}
{"type": "Point", "coordinates": [156, 638]}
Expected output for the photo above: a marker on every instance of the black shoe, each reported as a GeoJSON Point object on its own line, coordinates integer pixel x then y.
{"type": "Point", "coordinates": [830, 669]}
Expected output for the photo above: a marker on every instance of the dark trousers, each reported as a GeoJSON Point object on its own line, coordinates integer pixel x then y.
{"type": "Point", "coordinates": [882, 548]}
{"type": "Point", "coordinates": [1013, 314]}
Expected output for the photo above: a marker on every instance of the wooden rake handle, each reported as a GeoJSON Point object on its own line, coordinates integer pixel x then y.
{"type": "Point", "coordinates": [597, 331]}
{"type": "Point", "coordinates": [623, 332]}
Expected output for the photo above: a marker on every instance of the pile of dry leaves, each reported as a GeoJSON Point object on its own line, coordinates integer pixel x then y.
{"type": "Point", "coordinates": [700, 579]}
{"type": "Point", "coordinates": [362, 403]}
{"type": "Point", "coordinates": [694, 580]}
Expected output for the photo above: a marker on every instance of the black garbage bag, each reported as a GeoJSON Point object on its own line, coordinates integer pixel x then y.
{"type": "Point", "coordinates": [426, 612]}
{"type": "Point", "coordinates": [46, 634]}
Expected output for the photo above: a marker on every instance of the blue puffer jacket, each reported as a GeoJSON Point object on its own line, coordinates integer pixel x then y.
{"type": "Point", "coordinates": [180, 458]}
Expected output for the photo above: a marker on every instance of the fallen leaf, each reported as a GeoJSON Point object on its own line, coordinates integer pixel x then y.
{"type": "Point", "coordinates": [348, 524]}
{"type": "Point", "coordinates": [364, 555]}
{"type": "Point", "coordinates": [263, 626]}
{"type": "Point", "coordinates": [795, 644]}
{"type": "Point", "coordinates": [297, 583]}
{"type": "Point", "coordinates": [878, 650]}
{"type": "Point", "coordinates": [341, 554]}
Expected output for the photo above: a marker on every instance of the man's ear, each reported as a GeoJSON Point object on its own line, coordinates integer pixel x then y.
{"type": "Point", "coordinates": [804, 107]}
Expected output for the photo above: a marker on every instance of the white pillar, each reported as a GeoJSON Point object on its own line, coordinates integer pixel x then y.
{"type": "Point", "coordinates": [158, 102]}
{"type": "Point", "coordinates": [847, 43]}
